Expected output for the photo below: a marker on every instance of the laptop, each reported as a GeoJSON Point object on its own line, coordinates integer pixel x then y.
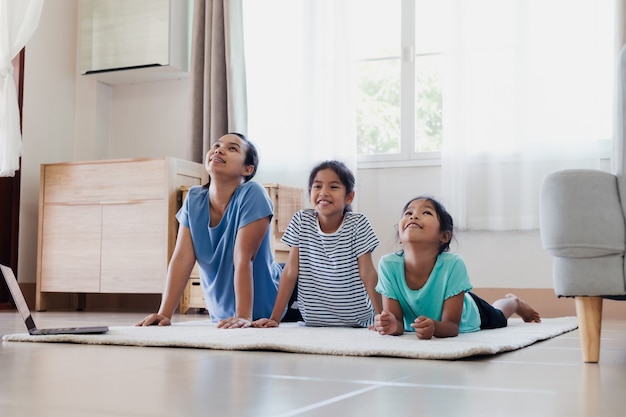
{"type": "Point", "coordinates": [22, 307]}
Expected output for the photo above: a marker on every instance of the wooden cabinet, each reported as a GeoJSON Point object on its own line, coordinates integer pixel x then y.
{"type": "Point", "coordinates": [109, 226]}
{"type": "Point", "coordinates": [286, 201]}
{"type": "Point", "coordinates": [193, 296]}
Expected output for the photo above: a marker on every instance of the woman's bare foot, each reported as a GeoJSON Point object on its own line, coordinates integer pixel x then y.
{"type": "Point", "coordinates": [525, 311]}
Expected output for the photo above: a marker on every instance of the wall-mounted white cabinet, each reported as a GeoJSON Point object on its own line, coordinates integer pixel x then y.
{"type": "Point", "coordinates": [133, 41]}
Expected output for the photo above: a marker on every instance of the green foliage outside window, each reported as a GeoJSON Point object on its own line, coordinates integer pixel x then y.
{"type": "Point", "coordinates": [429, 109]}
{"type": "Point", "coordinates": [378, 108]}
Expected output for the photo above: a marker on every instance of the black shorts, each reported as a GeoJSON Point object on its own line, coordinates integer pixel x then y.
{"type": "Point", "coordinates": [490, 317]}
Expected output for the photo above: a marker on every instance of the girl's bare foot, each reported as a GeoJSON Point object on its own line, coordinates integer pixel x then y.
{"type": "Point", "coordinates": [525, 311]}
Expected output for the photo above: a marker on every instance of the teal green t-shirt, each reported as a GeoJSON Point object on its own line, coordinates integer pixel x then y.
{"type": "Point", "coordinates": [448, 278]}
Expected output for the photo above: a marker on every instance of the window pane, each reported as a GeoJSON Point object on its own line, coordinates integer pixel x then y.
{"type": "Point", "coordinates": [432, 25]}
{"type": "Point", "coordinates": [378, 106]}
{"type": "Point", "coordinates": [428, 103]}
{"type": "Point", "coordinates": [376, 43]}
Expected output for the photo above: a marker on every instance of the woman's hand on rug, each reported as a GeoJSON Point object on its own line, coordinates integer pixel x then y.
{"type": "Point", "coordinates": [265, 323]}
{"type": "Point", "coordinates": [155, 320]}
{"type": "Point", "coordinates": [234, 323]}
{"type": "Point", "coordinates": [385, 323]}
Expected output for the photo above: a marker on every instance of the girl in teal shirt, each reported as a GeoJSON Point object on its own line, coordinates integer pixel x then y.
{"type": "Point", "coordinates": [426, 289]}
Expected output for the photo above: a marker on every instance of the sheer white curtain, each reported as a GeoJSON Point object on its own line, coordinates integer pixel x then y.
{"type": "Point", "coordinates": [298, 70]}
{"type": "Point", "coordinates": [527, 91]}
{"type": "Point", "coordinates": [18, 21]}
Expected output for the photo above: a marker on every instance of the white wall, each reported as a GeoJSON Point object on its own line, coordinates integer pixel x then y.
{"type": "Point", "coordinates": [48, 115]}
{"type": "Point", "coordinates": [494, 259]}
{"type": "Point", "coordinates": [69, 117]}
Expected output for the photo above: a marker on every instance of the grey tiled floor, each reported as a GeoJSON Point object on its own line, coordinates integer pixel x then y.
{"type": "Point", "coordinates": [545, 379]}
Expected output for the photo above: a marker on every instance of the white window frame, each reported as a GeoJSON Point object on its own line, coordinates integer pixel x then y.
{"type": "Point", "coordinates": [407, 155]}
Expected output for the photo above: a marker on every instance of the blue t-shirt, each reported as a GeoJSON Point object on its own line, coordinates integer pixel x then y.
{"type": "Point", "coordinates": [448, 278]}
{"type": "Point", "coordinates": [214, 248]}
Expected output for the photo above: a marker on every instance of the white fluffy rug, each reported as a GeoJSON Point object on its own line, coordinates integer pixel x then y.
{"type": "Point", "coordinates": [291, 337]}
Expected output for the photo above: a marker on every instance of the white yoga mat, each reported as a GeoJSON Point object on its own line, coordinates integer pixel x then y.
{"type": "Point", "coordinates": [291, 337]}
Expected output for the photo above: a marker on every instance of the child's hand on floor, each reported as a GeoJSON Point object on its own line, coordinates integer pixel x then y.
{"type": "Point", "coordinates": [385, 323]}
{"type": "Point", "coordinates": [261, 323]}
{"type": "Point", "coordinates": [424, 327]}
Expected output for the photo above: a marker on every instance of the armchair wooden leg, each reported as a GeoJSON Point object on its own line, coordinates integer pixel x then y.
{"type": "Point", "coordinates": [589, 313]}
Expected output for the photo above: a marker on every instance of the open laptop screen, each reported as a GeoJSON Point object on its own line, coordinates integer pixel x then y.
{"type": "Point", "coordinates": [20, 302]}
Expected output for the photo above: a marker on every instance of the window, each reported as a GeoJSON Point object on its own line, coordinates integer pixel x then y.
{"type": "Point", "coordinates": [413, 82]}
{"type": "Point", "coordinates": [399, 49]}
{"type": "Point", "coordinates": [493, 72]}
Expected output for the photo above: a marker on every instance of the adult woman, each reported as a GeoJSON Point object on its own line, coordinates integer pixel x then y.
{"type": "Point", "coordinates": [224, 226]}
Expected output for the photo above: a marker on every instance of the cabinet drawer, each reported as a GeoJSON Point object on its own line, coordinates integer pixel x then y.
{"type": "Point", "coordinates": [97, 182]}
{"type": "Point", "coordinates": [196, 295]}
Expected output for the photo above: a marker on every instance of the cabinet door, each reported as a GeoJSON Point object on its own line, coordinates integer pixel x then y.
{"type": "Point", "coordinates": [70, 251]}
{"type": "Point", "coordinates": [134, 247]}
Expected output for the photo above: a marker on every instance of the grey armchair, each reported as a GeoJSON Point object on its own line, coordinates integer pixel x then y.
{"type": "Point", "coordinates": [582, 225]}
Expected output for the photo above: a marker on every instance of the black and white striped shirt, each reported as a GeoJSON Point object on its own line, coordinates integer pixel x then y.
{"type": "Point", "coordinates": [330, 289]}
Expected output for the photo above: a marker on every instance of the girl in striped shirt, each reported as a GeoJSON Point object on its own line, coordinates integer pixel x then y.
{"type": "Point", "coordinates": [330, 257]}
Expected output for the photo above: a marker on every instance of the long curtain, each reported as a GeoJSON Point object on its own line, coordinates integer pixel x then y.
{"type": "Point", "coordinates": [534, 98]}
{"type": "Point", "coordinates": [299, 85]}
{"type": "Point", "coordinates": [18, 21]}
{"type": "Point", "coordinates": [217, 73]}
{"type": "Point", "coordinates": [528, 89]}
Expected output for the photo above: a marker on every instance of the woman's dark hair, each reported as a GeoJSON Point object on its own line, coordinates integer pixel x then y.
{"type": "Point", "coordinates": [343, 172]}
{"type": "Point", "coordinates": [252, 157]}
{"type": "Point", "coordinates": [446, 224]}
